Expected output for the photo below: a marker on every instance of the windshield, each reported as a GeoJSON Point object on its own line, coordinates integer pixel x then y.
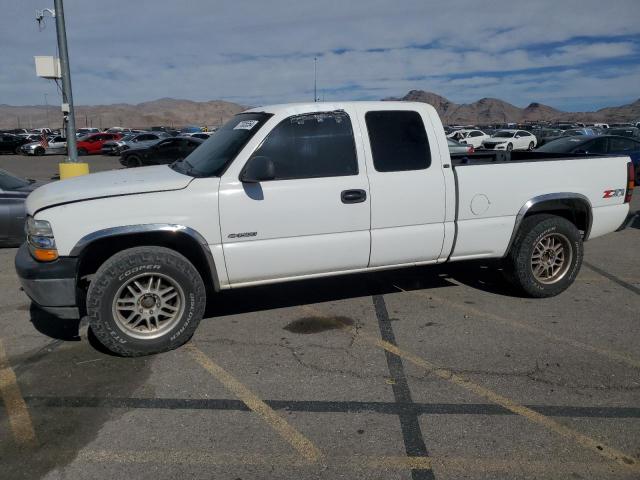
{"type": "Point", "coordinates": [212, 157]}
{"type": "Point", "coordinates": [503, 134]}
{"type": "Point", "coordinates": [9, 182]}
{"type": "Point", "coordinates": [562, 145]}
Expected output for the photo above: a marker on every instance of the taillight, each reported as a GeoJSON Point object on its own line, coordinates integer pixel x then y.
{"type": "Point", "coordinates": [631, 181]}
{"type": "Point", "coordinates": [470, 149]}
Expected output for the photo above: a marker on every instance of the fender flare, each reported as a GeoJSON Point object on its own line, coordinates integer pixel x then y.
{"type": "Point", "coordinates": [87, 240]}
{"type": "Point", "coordinates": [548, 197]}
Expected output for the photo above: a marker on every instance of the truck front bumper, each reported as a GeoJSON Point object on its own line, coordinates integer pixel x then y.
{"type": "Point", "coordinates": [50, 285]}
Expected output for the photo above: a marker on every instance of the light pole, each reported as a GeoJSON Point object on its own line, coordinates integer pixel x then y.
{"type": "Point", "coordinates": [315, 79]}
{"type": "Point", "coordinates": [71, 167]}
{"type": "Point", "coordinates": [46, 109]}
{"type": "Point", "coordinates": [66, 80]}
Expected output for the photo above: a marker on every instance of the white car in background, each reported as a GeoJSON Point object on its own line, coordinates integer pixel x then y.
{"type": "Point", "coordinates": [509, 140]}
{"type": "Point", "coordinates": [56, 146]}
{"type": "Point", "coordinates": [470, 137]}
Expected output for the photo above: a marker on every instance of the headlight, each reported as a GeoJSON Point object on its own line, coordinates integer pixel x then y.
{"type": "Point", "coordinates": [42, 245]}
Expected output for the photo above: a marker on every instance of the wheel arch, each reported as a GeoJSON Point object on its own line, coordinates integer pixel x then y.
{"type": "Point", "coordinates": [575, 207]}
{"type": "Point", "coordinates": [93, 249]}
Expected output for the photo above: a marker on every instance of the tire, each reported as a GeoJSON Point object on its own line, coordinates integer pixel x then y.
{"type": "Point", "coordinates": [18, 150]}
{"type": "Point", "coordinates": [509, 147]}
{"type": "Point", "coordinates": [39, 151]}
{"type": "Point", "coordinates": [116, 280]}
{"type": "Point", "coordinates": [82, 152]}
{"type": "Point", "coordinates": [134, 161]}
{"type": "Point", "coordinates": [531, 146]}
{"type": "Point", "coordinates": [529, 253]}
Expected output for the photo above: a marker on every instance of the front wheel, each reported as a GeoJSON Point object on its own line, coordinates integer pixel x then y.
{"type": "Point", "coordinates": [82, 152]}
{"type": "Point", "coordinates": [145, 300]}
{"type": "Point", "coordinates": [509, 147]}
{"type": "Point", "coordinates": [39, 151]}
{"type": "Point", "coordinates": [546, 255]}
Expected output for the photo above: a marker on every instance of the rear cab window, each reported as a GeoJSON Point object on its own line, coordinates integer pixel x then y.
{"type": "Point", "coordinates": [398, 140]}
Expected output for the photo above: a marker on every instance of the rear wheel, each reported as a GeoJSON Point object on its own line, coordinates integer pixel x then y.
{"type": "Point", "coordinates": [82, 152]}
{"type": "Point", "coordinates": [546, 255]}
{"type": "Point", "coordinates": [531, 145]}
{"type": "Point", "coordinates": [18, 150]}
{"type": "Point", "coordinates": [145, 300]}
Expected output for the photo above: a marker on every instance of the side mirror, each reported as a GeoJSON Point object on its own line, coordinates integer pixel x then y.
{"type": "Point", "coordinates": [258, 169]}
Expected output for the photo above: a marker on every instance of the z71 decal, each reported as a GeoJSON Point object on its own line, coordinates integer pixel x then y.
{"type": "Point", "coordinates": [614, 193]}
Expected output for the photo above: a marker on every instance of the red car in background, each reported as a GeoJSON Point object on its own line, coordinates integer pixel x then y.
{"type": "Point", "coordinates": [93, 143]}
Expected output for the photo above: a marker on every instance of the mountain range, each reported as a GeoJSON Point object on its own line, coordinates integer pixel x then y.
{"type": "Point", "coordinates": [493, 110]}
{"type": "Point", "coordinates": [165, 111]}
{"type": "Point", "coordinates": [174, 112]}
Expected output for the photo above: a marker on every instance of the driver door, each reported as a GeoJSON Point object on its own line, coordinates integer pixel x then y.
{"type": "Point", "coordinates": [312, 217]}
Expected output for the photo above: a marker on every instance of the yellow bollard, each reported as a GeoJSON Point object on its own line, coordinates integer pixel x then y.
{"type": "Point", "coordinates": [71, 169]}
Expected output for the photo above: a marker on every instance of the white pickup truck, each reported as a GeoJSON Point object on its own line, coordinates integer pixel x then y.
{"type": "Point", "coordinates": [291, 192]}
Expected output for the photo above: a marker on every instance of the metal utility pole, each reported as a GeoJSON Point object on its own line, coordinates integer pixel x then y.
{"type": "Point", "coordinates": [66, 80]}
{"type": "Point", "coordinates": [46, 109]}
{"type": "Point", "coordinates": [315, 79]}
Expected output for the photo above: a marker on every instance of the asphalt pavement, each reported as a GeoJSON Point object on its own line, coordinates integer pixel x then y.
{"type": "Point", "coordinates": [440, 372]}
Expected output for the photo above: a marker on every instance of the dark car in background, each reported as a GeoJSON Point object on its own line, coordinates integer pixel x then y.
{"type": "Point", "coordinates": [604, 144]}
{"type": "Point", "coordinates": [165, 151]}
{"type": "Point", "coordinates": [632, 132]}
{"type": "Point", "coordinates": [547, 135]}
{"type": "Point", "coordinates": [13, 193]}
{"type": "Point", "coordinates": [11, 143]}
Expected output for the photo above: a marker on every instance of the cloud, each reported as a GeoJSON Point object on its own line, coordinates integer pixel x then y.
{"type": "Point", "coordinates": [571, 53]}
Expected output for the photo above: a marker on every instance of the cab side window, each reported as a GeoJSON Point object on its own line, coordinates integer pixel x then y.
{"type": "Point", "coordinates": [398, 141]}
{"type": "Point", "coordinates": [311, 146]}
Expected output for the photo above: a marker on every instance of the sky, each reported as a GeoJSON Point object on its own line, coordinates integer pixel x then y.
{"type": "Point", "coordinates": [572, 55]}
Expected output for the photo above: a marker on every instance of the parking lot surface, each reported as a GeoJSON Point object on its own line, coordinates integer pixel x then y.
{"type": "Point", "coordinates": [440, 372]}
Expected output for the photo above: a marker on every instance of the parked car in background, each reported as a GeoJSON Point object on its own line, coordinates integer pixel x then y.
{"type": "Point", "coordinates": [547, 135]}
{"type": "Point", "coordinates": [604, 144]}
{"type": "Point", "coordinates": [202, 135]}
{"type": "Point", "coordinates": [93, 143]}
{"type": "Point", "coordinates": [470, 137]}
{"type": "Point", "coordinates": [632, 132]}
{"type": "Point", "coordinates": [55, 146]}
{"type": "Point", "coordinates": [110, 147]}
{"type": "Point", "coordinates": [580, 131]}
{"type": "Point", "coordinates": [134, 140]}
{"type": "Point", "coordinates": [510, 140]}
{"type": "Point", "coordinates": [86, 131]}
{"type": "Point", "coordinates": [13, 193]}
{"type": "Point", "coordinates": [165, 151]}
{"type": "Point", "coordinates": [457, 148]}
{"type": "Point", "coordinates": [11, 143]}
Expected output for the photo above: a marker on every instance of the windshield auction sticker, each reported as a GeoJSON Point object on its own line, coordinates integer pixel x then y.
{"type": "Point", "coordinates": [245, 125]}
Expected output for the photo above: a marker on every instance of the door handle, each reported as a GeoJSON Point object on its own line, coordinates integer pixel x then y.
{"type": "Point", "coordinates": [353, 196]}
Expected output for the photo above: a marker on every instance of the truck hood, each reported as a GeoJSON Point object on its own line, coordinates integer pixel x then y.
{"type": "Point", "coordinates": [129, 181]}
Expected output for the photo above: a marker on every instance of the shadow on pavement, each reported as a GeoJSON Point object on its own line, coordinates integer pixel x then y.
{"type": "Point", "coordinates": [54, 327]}
{"type": "Point", "coordinates": [485, 276]}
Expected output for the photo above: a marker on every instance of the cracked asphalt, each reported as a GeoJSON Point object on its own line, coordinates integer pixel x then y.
{"type": "Point", "coordinates": [440, 372]}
